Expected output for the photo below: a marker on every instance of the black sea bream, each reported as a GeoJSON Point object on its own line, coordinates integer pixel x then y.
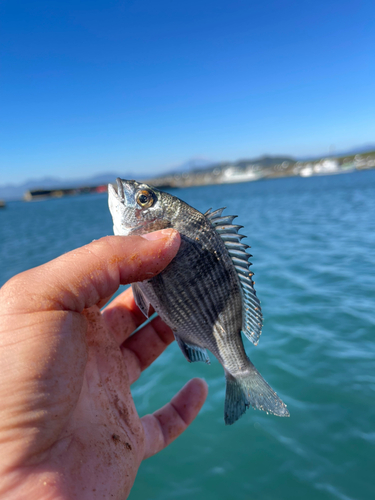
{"type": "Point", "coordinates": [206, 294]}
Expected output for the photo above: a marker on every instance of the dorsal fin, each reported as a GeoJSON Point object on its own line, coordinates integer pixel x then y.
{"type": "Point", "coordinates": [228, 228]}
{"type": "Point", "coordinates": [223, 220]}
{"type": "Point", "coordinates": [213, 215]}
{"type": "Point", "coordinates": [252, 319]}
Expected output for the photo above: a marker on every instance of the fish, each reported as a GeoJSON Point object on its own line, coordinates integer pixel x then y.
{"type": "Point", "coordinates": [206, 293]}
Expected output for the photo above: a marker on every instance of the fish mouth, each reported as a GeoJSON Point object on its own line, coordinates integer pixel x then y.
{"type": "Point", "coordinates": [117, 190]}
{"type": "Point", "coordinates": [112, 192]}
{"type": "Point", "coordinates": [120, 189]}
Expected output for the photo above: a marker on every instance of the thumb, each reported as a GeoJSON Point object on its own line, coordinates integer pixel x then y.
{"type": "Point", "coordinates": [83, 277]}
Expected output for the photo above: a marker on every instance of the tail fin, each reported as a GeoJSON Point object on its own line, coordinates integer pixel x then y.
{"type": "Point", "coordinates": [250, 388]}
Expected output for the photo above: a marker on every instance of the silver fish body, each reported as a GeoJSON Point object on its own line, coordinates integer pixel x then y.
{"type": "Point", "coordinates": [206, 294]}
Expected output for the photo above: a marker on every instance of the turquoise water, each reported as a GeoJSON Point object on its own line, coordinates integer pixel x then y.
{"type": "Point", "coordinates": [313, 242]}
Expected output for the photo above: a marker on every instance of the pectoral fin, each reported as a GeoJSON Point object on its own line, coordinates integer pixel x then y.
{"type": "Point", "coordinates": [140, 300]}
{"type": "Point", "coordinates": [192, 352]}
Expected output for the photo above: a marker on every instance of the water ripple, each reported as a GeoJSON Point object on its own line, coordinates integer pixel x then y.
{"type": "Point", "coordinates": [313, 243]}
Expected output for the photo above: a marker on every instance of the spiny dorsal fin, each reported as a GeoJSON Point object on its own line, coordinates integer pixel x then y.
{"type": "Point", "coordinates": [228, 219]}
{"type": "Point", "coordinates": [213, 215]}
{"type": "Point", "coordinates": [252, 320]}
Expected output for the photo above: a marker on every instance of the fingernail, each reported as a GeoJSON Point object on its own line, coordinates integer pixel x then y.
{"type": "Point", "coordinates": [158, 235]}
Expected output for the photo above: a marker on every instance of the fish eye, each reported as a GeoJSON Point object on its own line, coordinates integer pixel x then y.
{"type": "Point", "coordinates": [145, 198]}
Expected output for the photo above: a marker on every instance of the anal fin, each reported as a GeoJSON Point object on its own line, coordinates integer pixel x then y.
{"type": "Point", "coordinates": [192, 352]}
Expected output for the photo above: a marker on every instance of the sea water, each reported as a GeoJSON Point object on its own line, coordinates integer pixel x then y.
{"type": "Point", "coordinates": [313, 246]}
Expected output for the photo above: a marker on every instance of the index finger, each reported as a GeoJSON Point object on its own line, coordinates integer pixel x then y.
{"type": "Point", "coordinates": [83, 277]}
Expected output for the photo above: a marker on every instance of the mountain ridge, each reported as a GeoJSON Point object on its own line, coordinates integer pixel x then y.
{"type": "Point", "coordinates": [15, 191]}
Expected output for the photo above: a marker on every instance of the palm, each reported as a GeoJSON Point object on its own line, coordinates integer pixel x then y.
{"type": "Point", "coordinates": [103, 438]}
{"type": "Point", "coordinates": [72, 430]}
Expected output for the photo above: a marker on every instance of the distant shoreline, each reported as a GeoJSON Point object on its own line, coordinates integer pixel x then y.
{"type": "Point", "coordinates": [266, 167]}
{"type": "Point", "coordinates": [247, 171]}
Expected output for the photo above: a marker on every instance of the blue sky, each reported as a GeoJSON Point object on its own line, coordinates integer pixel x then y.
{"type": "Point", "coordinates": [141, 86]}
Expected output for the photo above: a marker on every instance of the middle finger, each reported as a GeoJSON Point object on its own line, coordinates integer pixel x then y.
{"type": "Point", "coordinates": [123, 316]}
{"type": "Point", "coordinates": [142, 348]}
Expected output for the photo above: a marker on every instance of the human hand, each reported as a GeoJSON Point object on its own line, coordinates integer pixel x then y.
{"type": "Point", "coordinates": [68, 424]}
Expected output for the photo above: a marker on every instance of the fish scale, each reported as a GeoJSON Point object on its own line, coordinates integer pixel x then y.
{"type": "Point", "coordinates": [205, 294]}
{"type": "Point", "coordinates": [199, 296]}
